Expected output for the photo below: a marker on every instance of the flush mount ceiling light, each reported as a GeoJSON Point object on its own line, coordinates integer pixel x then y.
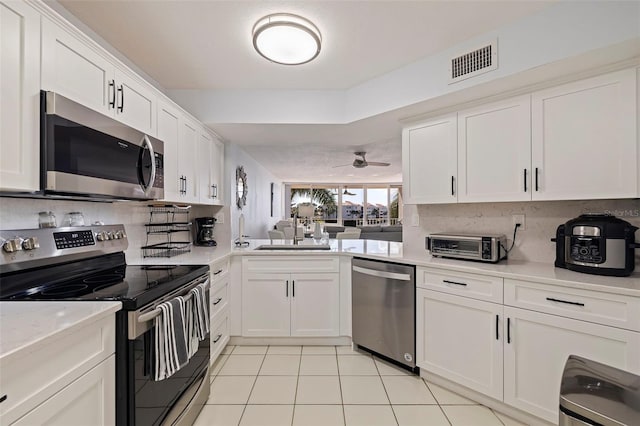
{"type": "Point", "coordinates": [286, 39]}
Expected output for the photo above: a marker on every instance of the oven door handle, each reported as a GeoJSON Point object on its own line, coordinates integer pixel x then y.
{"type": "Point", "coordinates": [139, 321]}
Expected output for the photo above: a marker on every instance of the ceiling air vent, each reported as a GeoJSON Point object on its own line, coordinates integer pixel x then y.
{"type": "Point", "coordinates": [473, 63]}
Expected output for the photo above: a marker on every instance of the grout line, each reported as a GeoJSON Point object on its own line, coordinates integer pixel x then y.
{"type": "Point", "coordinates": [388, 399]}
{"type": "Point", "coordinates": [436, 400]}
{"type": "Point", "coordinates": [344, 415]}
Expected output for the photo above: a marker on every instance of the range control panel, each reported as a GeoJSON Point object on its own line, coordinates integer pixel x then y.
{"type": "Point", "coordinates": [47, 245]}
{"type": "Point", "coordinates": [65, 240]}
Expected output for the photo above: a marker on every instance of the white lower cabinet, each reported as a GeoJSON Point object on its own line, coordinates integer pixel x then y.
{"type": "Point", "coordinates": [537, 347]}
{"type": "Point", "coordinates": [460, 339]}
{"type": "Point", "coordinates": [517, 355]}
{"type": "Point", "coordinates": [89, 400]}
{"type": "Point", "coordinates": [276, 305]}
{"type": "Point", "coordinates": [290, 297]}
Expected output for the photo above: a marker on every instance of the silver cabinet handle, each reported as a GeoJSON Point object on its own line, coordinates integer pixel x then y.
{"type": "Point", "coordinates": [218, 300]}
{"type": "Point", "coordinates": [217, 338]}
{"type": "Point", "coordinates": [382, 274]}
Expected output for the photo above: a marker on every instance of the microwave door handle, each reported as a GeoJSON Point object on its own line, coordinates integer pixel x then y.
{"type": "Point", "coordinates": [147, 143]}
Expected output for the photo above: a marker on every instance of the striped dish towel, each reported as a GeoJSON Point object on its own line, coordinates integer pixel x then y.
{"type": "Point", "coordinates": [170, 342]}
{"type": "Point", "coordinates": [198, 316]}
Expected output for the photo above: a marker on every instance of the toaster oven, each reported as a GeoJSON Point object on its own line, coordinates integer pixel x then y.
{"type": "Point", "coordinates": [483, 248]}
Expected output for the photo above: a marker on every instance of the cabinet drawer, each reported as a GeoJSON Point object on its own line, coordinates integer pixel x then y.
{"type": "Point", "coordinates": [219, 336]}
{"type": "Point", "coordinates": [290, 264]}
{"type": "Point", "coordinates": [218, 269]}
{"type": "Point", "coordinates": [37, 375]}
{"type": "Point", "coordinates": [603, 308]}
{"type": "Point", "coordinates": [481, 287]}
{"type": "Point", "coordinates": [219, 298]}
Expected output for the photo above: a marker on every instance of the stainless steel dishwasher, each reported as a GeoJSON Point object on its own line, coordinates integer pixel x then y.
{"type": "Point", "coordinates": [384, 306]}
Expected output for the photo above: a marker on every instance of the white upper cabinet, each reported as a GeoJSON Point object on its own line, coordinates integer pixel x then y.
{"type": "Point", "coordinates": [169, 133]}
{"type": "Point", "coordinates": [20, 100]}
{"type": "Point", "coordinates": [585, 144]}
{"type": "Point", "coordinates": [79, 71]}
{"type": "Point", "coordinates": [429, 159]}
{"type": "Point", "coordinates": [135, 103]}
{"type": "Point", "coordinates": [209, 170]}
{"type": "Point", "coordinates": [494, 152]}
{"type": "Point", "coordinates": [217, 172]}
{"type": "Point", "coordinates": [188, 161]}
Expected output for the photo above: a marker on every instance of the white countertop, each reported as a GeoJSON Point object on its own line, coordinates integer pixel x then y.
{"type": "Point", "coordinates": [197, 256]}
{"type": "Point", "coordinates": [28, 324]}
{"type": "Point", "coordinates": [545, 273]}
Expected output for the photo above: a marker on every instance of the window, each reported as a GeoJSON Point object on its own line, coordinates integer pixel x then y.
{"type": "Point", "coordinates": [345, 204]}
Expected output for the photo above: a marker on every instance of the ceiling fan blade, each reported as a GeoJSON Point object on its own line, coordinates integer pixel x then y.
{"type": "Point", "coordinates": [343, 165]}
{"type": "Point", "coordinates": [376, 163]}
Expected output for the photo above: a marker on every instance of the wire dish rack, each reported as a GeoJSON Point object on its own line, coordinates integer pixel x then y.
{"type": "Point", "coordinates": [164, 222]}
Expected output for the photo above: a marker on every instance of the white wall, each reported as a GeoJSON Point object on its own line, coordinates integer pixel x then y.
{"type": "Point", "coordinates": [257, 211]}
{"type": "Point", "coordinates": [22, 213]}
{"type": "Point", "coordinates": [532, 244]}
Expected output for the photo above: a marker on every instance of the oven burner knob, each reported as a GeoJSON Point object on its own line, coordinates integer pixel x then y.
{"type": "Point", "coordinates": [12, 245]}
{"type": "Point", "coordinates": [102, 236]}
{"type": "Point", "coordinates": [111, 235]}
{"type": "Point", "coordinates": [30, 243]}
{"type": "Point", "coordinates": [120, 235]}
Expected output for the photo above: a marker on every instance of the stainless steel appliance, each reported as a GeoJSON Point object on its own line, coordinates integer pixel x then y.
{"type": "Point", "coordinates": [88, 263]}
{"type": "Point", "coordinates": [85, 153]}
{"type": "Point", "coordinates": [384, 301]}
{"type": "Point", "coordinates": [484, 248]}
{"type": "Point", "coordinates": [204, 231]}
{"type": "Point", "coordinates": [596, 244]}
{"type": "Point", "coordinates": [592, 393]}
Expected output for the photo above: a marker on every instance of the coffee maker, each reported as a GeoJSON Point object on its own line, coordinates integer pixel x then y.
{"type": "Point", "coordinates": [204, 231]}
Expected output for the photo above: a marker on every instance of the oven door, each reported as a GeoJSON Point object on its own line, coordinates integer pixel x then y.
{"type": "Point", "coordinates": [142, 401]}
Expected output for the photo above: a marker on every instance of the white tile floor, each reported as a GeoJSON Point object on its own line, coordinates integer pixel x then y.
{"type": "Point", "coordinates": [327, 386]}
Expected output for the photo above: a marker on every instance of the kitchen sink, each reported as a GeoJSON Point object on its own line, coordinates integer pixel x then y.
{"type": "Point", "coordinates": [293, 247]}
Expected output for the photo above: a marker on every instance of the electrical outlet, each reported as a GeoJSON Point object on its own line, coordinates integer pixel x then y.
{"type": "Point", "coordinates": [415, 220]}
{"type": "Point", "coordinates": [519, 218]}
{"type": "Point", "coordinates": [220, 217]}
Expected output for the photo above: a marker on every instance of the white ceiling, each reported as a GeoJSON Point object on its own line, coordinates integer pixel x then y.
{"type": "Point", "coordinates": [207, 45]}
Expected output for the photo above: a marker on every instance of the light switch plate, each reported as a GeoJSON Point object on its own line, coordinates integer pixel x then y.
{"type": "Point", "coordinates": [220, 217]}
{"type": "Point", "coordinates": [415, 220]}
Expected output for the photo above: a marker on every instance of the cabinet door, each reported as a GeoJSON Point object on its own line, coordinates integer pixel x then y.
{"type": "Point", "coordinates": [315, 305]}
{"type": "Point", "coordinates": [265, 305]}
{"type": "Point", "coordinates": [584, 142]}
{"type": "Point", "coordinates": [20, 100]}
{"type": "Point", "coordinates": [169, 133]}
{"type": "Point", "coordinates": [135, 103]}
{"type": "Point", "coordinates": [494, 152]}
{"type": "Point", "coordinates": [205, 178]}
{"type": "Point", "coordinates": [537, 348]}
{"type": "Point", "coordinates": [75, 70]}
{"type": "Point", "coordinates": [429, 158]}
{"type": "Point", "coordinates": [187, 161]}
{"type": "Point", "coordinates": [217, 172]}
{"type": "Point", "coordinates": [89, 400]}
{"type": "Point", "coordinates": [460, 339]}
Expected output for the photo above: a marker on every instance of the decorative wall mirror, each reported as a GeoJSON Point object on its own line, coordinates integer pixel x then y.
{"type": "Point", "coordinates": [241, 187]}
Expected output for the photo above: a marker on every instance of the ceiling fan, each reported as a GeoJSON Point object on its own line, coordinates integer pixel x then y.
{"type": "Point", "coordinates": [360, 163]}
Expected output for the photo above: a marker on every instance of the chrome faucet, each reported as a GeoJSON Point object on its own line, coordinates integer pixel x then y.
{"type": "Point", "coordinates": [295, 229]}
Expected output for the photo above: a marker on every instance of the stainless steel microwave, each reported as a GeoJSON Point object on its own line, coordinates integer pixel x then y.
{"type": "Point", "coordinates": [88, 154]}
{"type": "Point", "coordinates": [483, 248]}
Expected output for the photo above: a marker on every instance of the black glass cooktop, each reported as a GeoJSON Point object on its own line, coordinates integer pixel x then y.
{"type": "Point", "coordinates": [102, 278]}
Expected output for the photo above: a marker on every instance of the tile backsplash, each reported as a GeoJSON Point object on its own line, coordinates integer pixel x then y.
{"type": "Point", "coordinates": [22, 213]}
{"type": "Point", "coordinates": [532, 244]}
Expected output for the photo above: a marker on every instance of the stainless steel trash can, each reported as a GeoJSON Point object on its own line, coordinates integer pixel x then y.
{"type": "Point", "coordinates": [595, 394]}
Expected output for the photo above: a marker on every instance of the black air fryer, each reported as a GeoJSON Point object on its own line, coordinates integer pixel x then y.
{"type": "Point", "coordinates": [596, 244]}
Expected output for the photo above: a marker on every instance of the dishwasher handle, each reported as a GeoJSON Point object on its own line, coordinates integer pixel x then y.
{"type": "Point", "coordinates": [382, 274]}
